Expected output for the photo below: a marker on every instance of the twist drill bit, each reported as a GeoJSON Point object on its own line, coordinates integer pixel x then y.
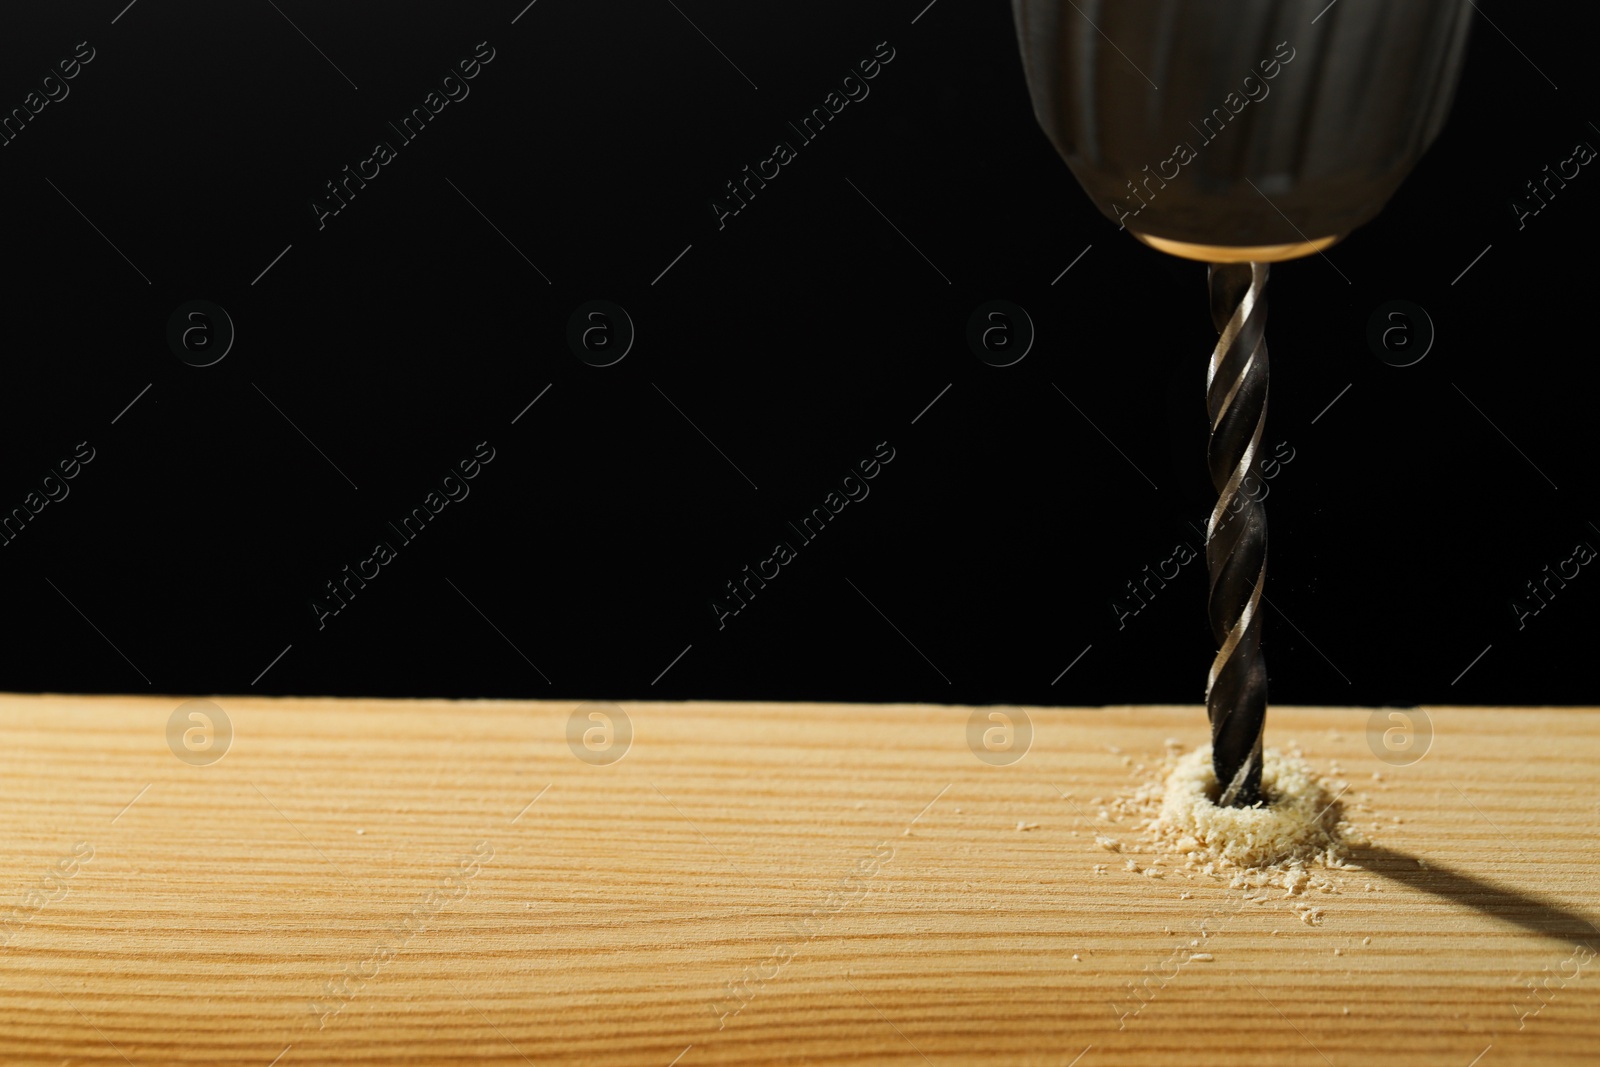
{"type": "Point", "coordinates": [1236, 535]}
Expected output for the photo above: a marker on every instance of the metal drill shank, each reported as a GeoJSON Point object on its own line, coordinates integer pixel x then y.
{"type": "Point", "coordinates": [1236, 535]}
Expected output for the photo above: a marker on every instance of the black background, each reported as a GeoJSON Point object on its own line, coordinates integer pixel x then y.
{"type": "Point", "coordinates": [796, 338]}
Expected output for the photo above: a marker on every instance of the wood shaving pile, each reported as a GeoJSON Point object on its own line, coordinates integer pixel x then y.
{"type": "Point", "coordinates": [1286, 843]}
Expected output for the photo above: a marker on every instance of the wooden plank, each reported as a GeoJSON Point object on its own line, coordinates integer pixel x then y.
{"type": "Point", "coordinates": [766, 883]}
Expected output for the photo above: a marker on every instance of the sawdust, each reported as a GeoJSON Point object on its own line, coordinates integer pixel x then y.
{"type": "Point", "coordinates": [1298, 822]}
{"type": "Point", "coordinates": [1285, 844]}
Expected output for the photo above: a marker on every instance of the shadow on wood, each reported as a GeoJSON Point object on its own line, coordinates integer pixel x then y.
{"type": "Point", "coordinates": [1532, 914]}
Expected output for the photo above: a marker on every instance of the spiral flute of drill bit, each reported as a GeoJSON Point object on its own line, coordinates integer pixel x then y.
{"type": "Point", "coordinates": [1236, 535]}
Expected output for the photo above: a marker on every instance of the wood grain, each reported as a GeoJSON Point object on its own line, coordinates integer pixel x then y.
{"type": "Point", "coordinates": [765, 883]}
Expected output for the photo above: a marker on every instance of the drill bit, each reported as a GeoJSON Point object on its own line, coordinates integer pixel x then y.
{"type": "Point", "coordinates": [1236, 535]}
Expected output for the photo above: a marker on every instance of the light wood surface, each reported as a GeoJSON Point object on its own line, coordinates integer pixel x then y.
{"type": "Point", "coordinates": [766, 883]}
